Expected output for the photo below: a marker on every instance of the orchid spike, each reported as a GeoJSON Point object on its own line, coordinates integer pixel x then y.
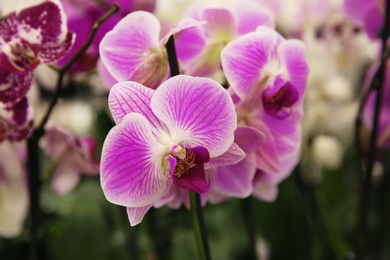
{"type": "Point", "coordinates": [162, 138]}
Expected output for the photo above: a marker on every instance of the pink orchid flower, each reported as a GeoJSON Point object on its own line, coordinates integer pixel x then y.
{"type": "Point", "coordinates": [31, 36]}
{"type": "Point", "coordinates": [163, 137]}
{"type": "Point", "coordinates": [134, 51]}
{"type": "Point", "coordinates": [13, 192]}
{"type": "Point", "coordinates": [268, 75]}
{"type": "Point", "coordinates": [72, 156]}
{"type": "Point", "coordinates": [199, 48]}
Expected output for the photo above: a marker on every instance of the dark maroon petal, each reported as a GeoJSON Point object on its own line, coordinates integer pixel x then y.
{"type": "Point", "coordinates": [195, 180]}
{"type": "Point", "coordinates": [279, 98]}
{"type": "Point", "coordinates": [202, 155]}
{"type": "Point", "coordinates": [14, 86]}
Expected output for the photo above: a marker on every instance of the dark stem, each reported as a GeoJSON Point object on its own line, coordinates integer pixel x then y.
{"type": "Point", "coordinates": [249, 222]}
{"type": "Point", "coordinates": [199, 227]}
{"type": "Point", "coordinates": [33, 164]}
{"type": "Point", "coordinates": [196, 207]}
{"type": "Point", "coordinates": [172, 57]}
{"type": "Point", "coordinates": [34, 184]}
{"type": "Point", "coordinates": [376, 85]}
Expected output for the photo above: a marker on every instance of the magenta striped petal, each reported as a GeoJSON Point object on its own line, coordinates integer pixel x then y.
{"type": "Point", "coordinates": [197, 111]}
{"type": "Point", "coordinates": [131, 165]}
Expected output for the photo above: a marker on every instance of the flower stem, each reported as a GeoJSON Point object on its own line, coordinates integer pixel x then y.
{"type": "Point", "coordinates": [376, 85]}
{"type": "Point", "coordinates": [33, 163]}
{"type": "Point", "coordinates": [199, 227]}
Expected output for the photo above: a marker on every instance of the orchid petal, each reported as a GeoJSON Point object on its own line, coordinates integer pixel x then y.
{"type": "Point", "coordinates": [249, 139]}
{"type": "Point", "coordinates": [232, 156]}
{"type": "Point", "coordinates": [14, 86]}
{"type": "Point", "coordinates": [105, 76]}
{"type": "Point", "coordinates": [128, 97]}
{"type": "Point", "coordinates": [251, 15]}
{"type": "Point", "coordinates": [220, 22]}
{"type": "Point", "coordinates": [235, 180]}
{"type": "Point", "coordinates": [244, 58]}
{"type": "Point", "coordinates": [197, 111]}
{"type": "Point", "coordinates": [189, 42]}
{"type": "Point", "coordinates": [122, 49]}
{"type": "Point", "coordinates": [267, 156]}
{"type": "Point", "coordinates": [293, 55]}
{"type": "Point", "coordinates": [131, 165]}
{"type": "Point", "coordinates": [136, 214]}
{"type": "Point", "coordinates": [195, 180]}
{"type": "Point", "coordinates": [65, 178]}
{"type": "Point", "coordinates": [264, 189]}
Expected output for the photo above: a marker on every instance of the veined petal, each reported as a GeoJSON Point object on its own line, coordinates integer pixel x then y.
{"type": "Point", "coordinates": [131, 97]}
{"type": "Point", "coordinates": [197, 112]}
{"type": "Point", "coordinates": [105, 76]}
{"type": "Point", "coordinates": [293, 55]}
{"type": "Point", "coordinates": [132, 173]}
{"type": "Point", "coordinates": [122, 49]}
{"type": "Point", "coordinates": [136, 215]}
{"type": "Point", "coordinates": [244, 58]}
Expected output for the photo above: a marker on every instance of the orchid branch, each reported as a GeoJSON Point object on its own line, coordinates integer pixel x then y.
{"type": "Point", "coordinates": [195, 206]}
{"type": "Point", "coordinates": [376, 85]}
{"type": "Point", "coordinates": [33, 164]}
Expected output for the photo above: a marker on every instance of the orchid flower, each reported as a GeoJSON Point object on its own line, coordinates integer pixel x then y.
{"type": "Point", "coordinates": [72, 157]}
{"type": "Point", "coordinates": [267, 76]}
{"type": "Point", "coordinates": [28, 37]}
{"type": "Point", "coordinates": [134, 51]}
{"type": "Point", "coordinates": [199, 48]}
{"type": "Point", "coordinates": [162, 138]}
{"type": "Point", "coordinates": [13, 192]}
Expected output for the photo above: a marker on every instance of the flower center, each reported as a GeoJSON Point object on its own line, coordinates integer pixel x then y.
{"type": "Point", "coordinates": [22, 55]}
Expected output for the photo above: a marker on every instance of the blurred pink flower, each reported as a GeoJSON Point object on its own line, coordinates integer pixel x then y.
{"type": "Point", "coordinates": [71, 155]}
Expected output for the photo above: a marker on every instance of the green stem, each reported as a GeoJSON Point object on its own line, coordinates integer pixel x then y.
{"type": "Point", "coordinates": [199, 227]}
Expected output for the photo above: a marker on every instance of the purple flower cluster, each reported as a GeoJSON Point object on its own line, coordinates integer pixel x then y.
{"type": "Point", "coordinates": [188, 133]}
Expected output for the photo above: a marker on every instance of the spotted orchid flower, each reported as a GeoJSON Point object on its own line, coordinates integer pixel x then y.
{"type": "Point", "coordinates": [268, 75]}
{"type": "Point", "coordinates": [72, 156]}
{"type": "Point", "coordinates": [28, 37]}
{"type": "Point", "coordinates": [13, 191]}
{"type": "Point", "coordinates": [134, 51]}
{"type": "Point", "coordinates": [199, 48]}
{"type": "Point", "coordinates": [163, 137]}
